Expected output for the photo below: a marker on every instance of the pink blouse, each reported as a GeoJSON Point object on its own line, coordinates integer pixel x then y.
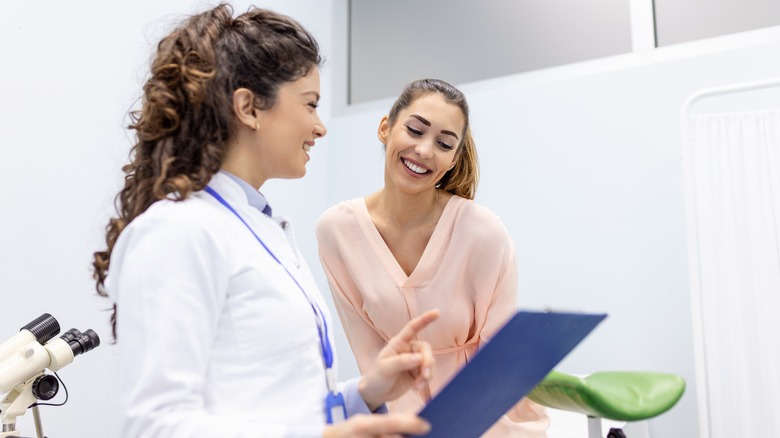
{"type": "Point", "coordinates": [467, 270]}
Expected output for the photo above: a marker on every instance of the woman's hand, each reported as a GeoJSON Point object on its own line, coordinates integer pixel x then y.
{"type": "Point", "coordinates": [372, 426]}
{"type": "Point", "coordinates": [402, 363]}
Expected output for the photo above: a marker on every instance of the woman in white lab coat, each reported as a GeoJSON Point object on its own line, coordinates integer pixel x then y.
{"type": "Point", "coordinates": [220, 328]}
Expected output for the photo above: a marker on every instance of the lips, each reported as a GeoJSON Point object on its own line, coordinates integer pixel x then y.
{"type": "Point", "coordinates": [414, 167]}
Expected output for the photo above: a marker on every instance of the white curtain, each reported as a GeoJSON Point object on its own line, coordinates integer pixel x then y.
{"type": "Point", "coordinates": [733, 165]}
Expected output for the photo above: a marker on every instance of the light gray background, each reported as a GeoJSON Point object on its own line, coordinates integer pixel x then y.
{"type": "Point", "coordinates": [582, 162]}
{"type": "Point", "coordinates": [682, 21]}
{"type": "Point", "coordinates": [395, 42]}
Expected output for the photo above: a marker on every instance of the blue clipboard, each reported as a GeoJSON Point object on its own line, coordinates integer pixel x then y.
{"type": "Point", "coordinates": [504, 370]}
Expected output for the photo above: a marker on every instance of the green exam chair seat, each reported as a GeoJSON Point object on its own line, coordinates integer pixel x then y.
{"type": "Point", "coordinates": [615, 395]}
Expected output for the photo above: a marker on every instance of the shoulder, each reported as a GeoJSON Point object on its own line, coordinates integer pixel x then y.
{"type": "Point", "coordinates": [480, 222]}
{"type": "Point", "coordinates": [195, 211]}
{"type": "Point", "coordinates": [470, 209]}
{"type": "Point", "coordinates": [337, 218]}
{"type": "Point", "coordinates": [192, 220]}
{"type": "Point", "coordinates": [170, 236]}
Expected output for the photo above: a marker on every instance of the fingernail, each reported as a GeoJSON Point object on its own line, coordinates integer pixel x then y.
{"type": "Point", "coordinates": [427, 372]}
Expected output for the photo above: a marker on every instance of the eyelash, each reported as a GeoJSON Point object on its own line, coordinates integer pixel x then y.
{"type": "Point", "coordinates": [417, 133]}
{"type": "Point", "coordinates": [413, 131]}
{"type": "Point", "coordinates": [314, 105]}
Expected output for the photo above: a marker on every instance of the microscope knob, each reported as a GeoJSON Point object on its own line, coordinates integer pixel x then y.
{"type": "Point", "coordinates": [45, 387]}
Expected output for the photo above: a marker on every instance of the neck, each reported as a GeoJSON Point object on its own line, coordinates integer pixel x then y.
{"type": "Point", "coordinates": [236, 163]}
{"type": "Point", "coordinates": [406, 209]}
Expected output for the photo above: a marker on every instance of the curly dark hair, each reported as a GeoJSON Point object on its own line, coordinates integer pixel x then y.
{"type": "Point", "coordinates": [186, 117]}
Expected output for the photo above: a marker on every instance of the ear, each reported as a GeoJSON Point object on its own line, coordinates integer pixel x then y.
{"type": "Point", "coordinates": [244, 108]}
{"type": "Point", "coordinates": [383, 132]}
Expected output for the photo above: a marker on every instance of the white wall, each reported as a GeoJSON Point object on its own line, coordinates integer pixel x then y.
{"type": "Point", "coordinates": [581, 162]}
{"type": "Point", "coordinates": [69, 73]}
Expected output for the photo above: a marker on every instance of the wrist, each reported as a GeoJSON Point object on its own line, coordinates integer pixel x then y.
{"type": "Point", "coordinates": [365, 394]}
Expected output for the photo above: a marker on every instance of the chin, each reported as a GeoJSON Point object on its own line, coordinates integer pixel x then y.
{"type": "Point", "coordinates": [293, 174]}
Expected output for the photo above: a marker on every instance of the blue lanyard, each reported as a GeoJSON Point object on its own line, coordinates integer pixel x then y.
{"type": "Point", "coordinates": [335, 406]}
{"type": "Point", "coordinates": [322, 325]}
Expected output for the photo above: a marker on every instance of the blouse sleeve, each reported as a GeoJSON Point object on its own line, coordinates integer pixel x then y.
{"type": "Point", "coordinates": [503, 303]}
{"type": "Point", "coordinates": [527, 418]}
{"type": "Point", "coordinates": [363, 337]}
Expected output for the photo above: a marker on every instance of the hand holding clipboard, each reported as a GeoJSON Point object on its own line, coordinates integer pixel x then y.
{"type": "Point", "coordinates": [505, 369]}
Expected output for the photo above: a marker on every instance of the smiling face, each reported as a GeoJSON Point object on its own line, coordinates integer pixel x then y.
{"type": "Point", "coordinates": [422, 144]}
{"type": "Point", "coordinates": [287, 130]}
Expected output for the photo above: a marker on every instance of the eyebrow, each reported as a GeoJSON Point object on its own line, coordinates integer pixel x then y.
{"type": "Point", "coordinates": [427, 123]}
{"type": "Point", "coordinates": [316, 94]}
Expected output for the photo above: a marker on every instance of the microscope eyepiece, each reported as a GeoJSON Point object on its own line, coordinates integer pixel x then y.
{"type": "Point", "coordinates": [70, 335]}
{"type": "Point", "coordinates": [81, 342]}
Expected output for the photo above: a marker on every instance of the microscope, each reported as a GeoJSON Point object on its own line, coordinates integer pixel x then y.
{"type": "Point", "coordinates": [25, 357]}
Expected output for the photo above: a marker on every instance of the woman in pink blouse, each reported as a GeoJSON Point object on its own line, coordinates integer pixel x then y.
{"type": "Point", "coordinates": [420, 243]}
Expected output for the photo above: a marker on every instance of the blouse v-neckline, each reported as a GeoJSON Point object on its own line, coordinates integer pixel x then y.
{"type": "Point", "coordinates": [425, 264]}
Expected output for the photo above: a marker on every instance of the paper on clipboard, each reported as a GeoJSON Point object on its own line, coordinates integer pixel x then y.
{"type": "Point", "coordinates": [504, 370]}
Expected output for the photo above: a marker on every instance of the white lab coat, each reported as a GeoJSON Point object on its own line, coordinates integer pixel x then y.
{"type": "Point", "coordinates": [214, 338]}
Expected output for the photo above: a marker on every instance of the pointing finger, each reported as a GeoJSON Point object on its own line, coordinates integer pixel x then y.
{"type": "Point", "coordinates": [413, 327]}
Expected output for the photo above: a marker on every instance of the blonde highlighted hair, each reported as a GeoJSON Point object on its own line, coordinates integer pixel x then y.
{"type": "Point", "coordinates": [463, 178]}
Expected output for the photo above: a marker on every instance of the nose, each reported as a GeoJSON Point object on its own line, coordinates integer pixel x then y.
{"type": "Point", "coordinates": [424, 149]}
{"type": "Point", "coordinates": [319, 128]}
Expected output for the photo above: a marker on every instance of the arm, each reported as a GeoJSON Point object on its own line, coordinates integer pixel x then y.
{"type": "Point", "coordinates": [364, 340]}
{"type": "Point", "coordinates": [370, 426]}
{"type": "Point", "coordinates": [403, 362]}
{"type": "Point", "coordinates": [170, 283]}
{"type": "Point", "coordinates": [529, 418]}
{"type": "Point", "coordinates": [363, 337]}
{"type": "Point", "coordinates": [503, 301]}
